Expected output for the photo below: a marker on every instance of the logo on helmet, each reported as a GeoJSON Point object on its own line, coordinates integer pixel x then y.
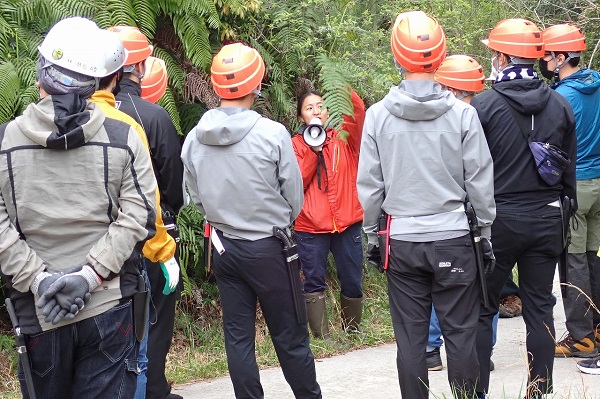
{"type": "Point", "coordinates": [57, 54]}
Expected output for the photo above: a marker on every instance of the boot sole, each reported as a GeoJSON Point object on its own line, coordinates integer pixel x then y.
{"type": "Point", "coordinates": [589, 371]}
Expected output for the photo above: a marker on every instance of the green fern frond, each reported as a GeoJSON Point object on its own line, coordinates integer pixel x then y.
{"type": "Point", "coordinates": [167, 101]}
{"type": "Point", "coordinates": [122, 12]}
{"type": "Point", "coordinates": [194, 35]}
{"type": "Point", "coordinates": [9, 91]}
{"type": "Point", "coordinates": [191, 248]}
{"type": "Point", "coordinates": [174, 71]}
{"type": "Point", "coordinates": [26, 70]}
{"type": "Point", "coordinates": [190, 115]}
{"type": "Point", "coordinates": [336, 86]}
{"type": "Point", "coordinates": [146, 12]}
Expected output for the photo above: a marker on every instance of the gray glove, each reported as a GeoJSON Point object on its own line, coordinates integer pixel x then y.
{"type": "Point", "coordinates": [489, 260]}
{"type": "Point", "coordinates": [68, 294]}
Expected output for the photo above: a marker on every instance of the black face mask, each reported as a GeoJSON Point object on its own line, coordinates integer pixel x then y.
{"type": "Point", "coordinates": [544, 70]}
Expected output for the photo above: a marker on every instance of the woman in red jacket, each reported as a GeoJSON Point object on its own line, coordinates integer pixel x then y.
{"type": "Point", "coordinates": [332, 216]}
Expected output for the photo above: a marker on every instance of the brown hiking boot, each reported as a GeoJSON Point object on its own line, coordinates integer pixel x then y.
{"type": "Point", "coordinates": [569, 346]}
{"type": "Point", "coordinates": [510, 306]}
{"type": "Point", "coordinates": [597, 334]}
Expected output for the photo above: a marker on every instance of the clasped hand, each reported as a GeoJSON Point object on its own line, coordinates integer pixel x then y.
{"type": "Point", "coordinates": [62, 295]}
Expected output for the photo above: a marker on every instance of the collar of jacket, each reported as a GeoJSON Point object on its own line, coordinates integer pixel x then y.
{"type": "Point", "coordinates": [103, 96]}
{"type": "Point", "coordinates": [128, 86]}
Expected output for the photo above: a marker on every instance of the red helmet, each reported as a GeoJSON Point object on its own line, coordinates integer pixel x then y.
{"type": "Point", "coordinates": [418, 42]}
{"type": "Point", "coordinates": [135, 42]}
{"type": "Point", "coordinates": [236, 71]}
{"type": "Point", "coordinates": [517, 37]}
{"type": "Point", "coordinates": [564, 38]}
{"type": "Point", "coordinates": [461, 72]}
{"type": "Point", "coordinates": [155, 80]}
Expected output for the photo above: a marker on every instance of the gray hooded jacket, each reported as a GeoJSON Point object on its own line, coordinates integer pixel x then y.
{"type": "Point", "coordinates": [75, 188]}
{"type": "Point", "coordinates": [422, 154]}
{"type": "Point", "coordinates": [241, 172]}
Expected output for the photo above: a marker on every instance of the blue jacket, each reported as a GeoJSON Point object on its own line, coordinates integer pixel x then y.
{"type": "Point", "coordinates": [581, 90]}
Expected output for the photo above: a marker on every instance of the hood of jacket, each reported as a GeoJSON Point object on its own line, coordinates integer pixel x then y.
{"type": "Point", "coordinates": [63, 121]}
{"type": "Point", "coordinates": [586, 81]}
{"type": "Point", "coordinates": [418, 100]}
{"type": "Point", "coordinates": [526, 96]}
{"type": "Point", "coordinates": [225, 125]}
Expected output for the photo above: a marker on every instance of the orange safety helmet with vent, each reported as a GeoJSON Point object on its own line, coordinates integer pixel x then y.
{"type": "Point", "coordinates": [461, 72]}
{"type": "Point", "coordinates": [564, 38]}
{"type": "Point", "coordinates": [155, 80]}
{"type": "Point", "coordinates": [517, 37]}
{"type": "Point", "coordinates": [418, 42]}
{"type": "Point", "coordinates": [236, 71]}
{"type": "Point", "coordinates": [135, 42]}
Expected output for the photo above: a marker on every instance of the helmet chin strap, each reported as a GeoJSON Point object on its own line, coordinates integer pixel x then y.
{"type": "Point", "coordinates": [131, 69]}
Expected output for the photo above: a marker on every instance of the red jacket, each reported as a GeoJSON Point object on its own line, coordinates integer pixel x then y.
{"type": "Point", "coordinates": [336, 209]}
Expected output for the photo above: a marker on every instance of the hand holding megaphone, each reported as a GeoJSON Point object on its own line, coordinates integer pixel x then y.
{"type": "Point", "coordinates": [314, 135]}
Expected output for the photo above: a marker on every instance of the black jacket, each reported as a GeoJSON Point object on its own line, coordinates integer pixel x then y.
{"type": "Point", "coordinates": [517, 185]}
{"type": "Point", "coordinates": [165, 145]}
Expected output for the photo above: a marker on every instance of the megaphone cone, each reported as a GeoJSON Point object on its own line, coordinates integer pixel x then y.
{"type": "Point", "coordinates": [314, 135]}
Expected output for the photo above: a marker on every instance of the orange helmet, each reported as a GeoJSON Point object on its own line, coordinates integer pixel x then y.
{"type": "Point", "coordinates": [236, 71]}
{"type": "Point", "coordinates": [517, 37]}
{"type": "Point", "coordinates": [135, 42]}
{"type": "Point", "coordinates": [461, 72]}
{"type": "Point", "coordinates": [155, 80]}
{"type": "Point", "coordinates": [564, 38]}
{"type": "Point", "coordinates": [418, 42]}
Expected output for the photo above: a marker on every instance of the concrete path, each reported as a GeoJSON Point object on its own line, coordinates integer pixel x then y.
{"type": "Point", "coordinates": [371, 373]}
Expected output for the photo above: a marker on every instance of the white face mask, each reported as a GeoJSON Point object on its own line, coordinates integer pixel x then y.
{"type": "Point", "coordinates": [494, 70]}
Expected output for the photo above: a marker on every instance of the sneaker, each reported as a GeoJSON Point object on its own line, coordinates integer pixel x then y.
{"type": "Point", "coordinates": [510, 306]}
{"type": "Point", "coordinates": [434, 360]}
{"type": "Point", "coordinates": [569, 346]}
{"type": "Point", "coordinates": [589, 366]}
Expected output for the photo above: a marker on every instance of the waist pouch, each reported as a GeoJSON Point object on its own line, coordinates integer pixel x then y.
{"type": "Point", "coordinates": [550, 161]}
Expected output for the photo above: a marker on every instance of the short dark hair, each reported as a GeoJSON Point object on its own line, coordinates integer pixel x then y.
{"type": "Point", "coordinates": [105, 80]}
{"type": "Point", "coordinates": [303, 96]}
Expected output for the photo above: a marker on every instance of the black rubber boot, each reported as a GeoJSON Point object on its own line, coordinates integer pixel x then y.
{"type": "Point", "coordinates": [351, 313]}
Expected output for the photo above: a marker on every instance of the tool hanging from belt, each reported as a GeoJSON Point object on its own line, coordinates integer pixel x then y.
{"type": "Point", "coordinates": [566, 212]}
{"type": "Point", "coordinates": [476, 239]}
{"type": "Point", "coordinates": [21, 348]}
{"type": "Point", "coordinates": [290, 251]}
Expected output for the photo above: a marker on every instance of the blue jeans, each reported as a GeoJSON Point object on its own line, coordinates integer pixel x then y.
{"type": "Point", "coordinates": [93, 358]}
{"type": "Point", "coordinates": [348, 255]}
{"type": "Point", "coordinates": [140, 392]}
{"type": "Point", "coordinates": [435, 332]}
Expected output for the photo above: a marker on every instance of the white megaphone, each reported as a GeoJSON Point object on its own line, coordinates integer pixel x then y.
{"type": "Point", "coordinates": [314, 135]}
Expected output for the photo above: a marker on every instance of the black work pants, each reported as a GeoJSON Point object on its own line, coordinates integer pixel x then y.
{"type": "Point", "coordinates": [160, 333]}
{"type": "Point", "coordinates": [534, 242]}
{"type": "Point", "coordinates": [443, 273]}
{"type": "Point", "coordinates": [245, 272]}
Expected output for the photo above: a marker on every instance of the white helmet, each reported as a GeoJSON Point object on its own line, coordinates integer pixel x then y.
{"type": "Point", "coordinates": [115, 53]}
{"type": "Point", "coordinates": [74, 44]}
